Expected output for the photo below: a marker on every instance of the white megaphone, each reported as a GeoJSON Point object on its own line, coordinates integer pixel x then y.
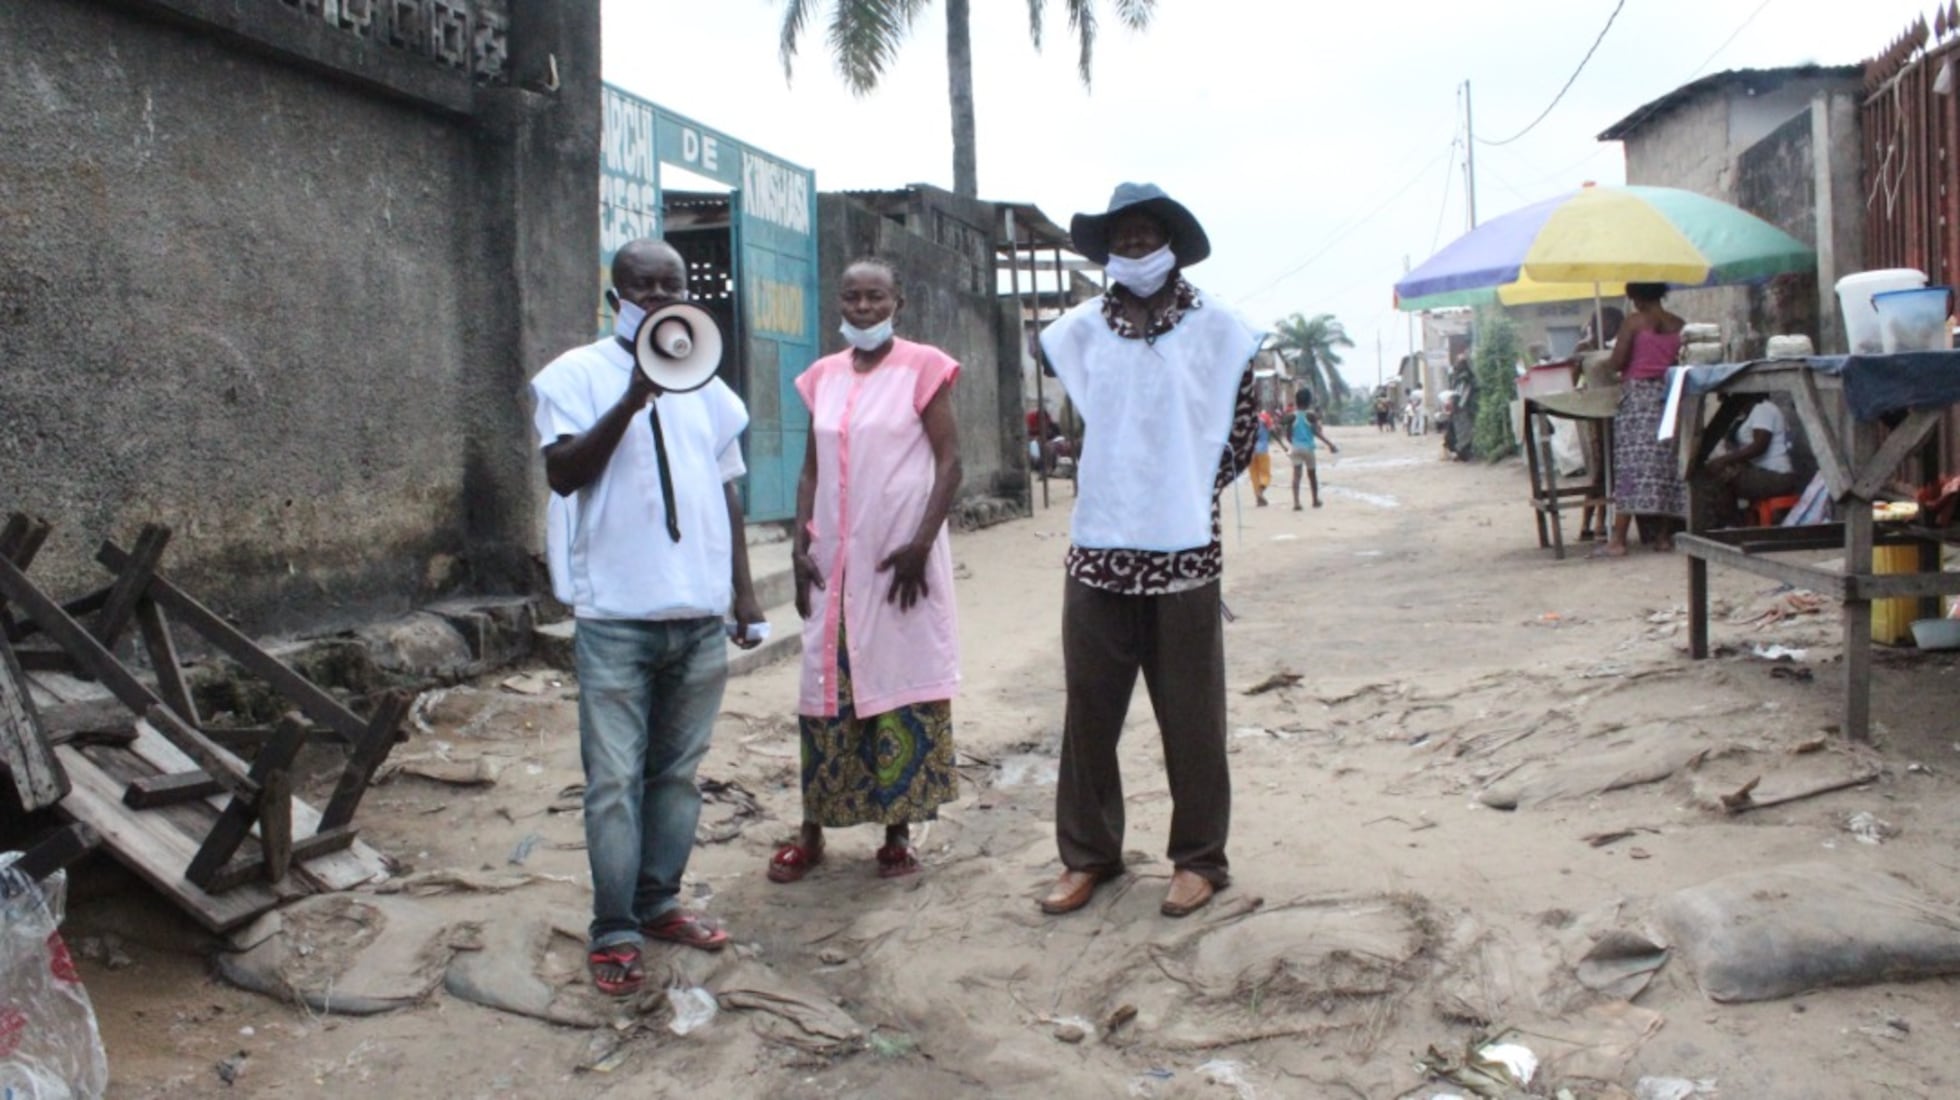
{"type": "Point", "coordinates": [678, 347]}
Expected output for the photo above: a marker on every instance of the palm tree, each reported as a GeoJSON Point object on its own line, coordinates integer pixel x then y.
{"type": "Point", "coordinates": [864, 36]}
{"type": "Point", "coordinates": [1309, 345]}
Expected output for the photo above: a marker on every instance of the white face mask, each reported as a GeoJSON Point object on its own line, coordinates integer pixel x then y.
{"type": "Point", "coordinates": [626, 320]}
{"type": "Point", "coordinates": [867, 339]}
{"type": "Point", "coordinates": [1144, 275]}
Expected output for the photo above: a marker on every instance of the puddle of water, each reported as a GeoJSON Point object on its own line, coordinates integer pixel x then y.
{"type": "Point", "coordinates": [1379, 500]}
{"type": "Point", "coordinates": [1028, 770]}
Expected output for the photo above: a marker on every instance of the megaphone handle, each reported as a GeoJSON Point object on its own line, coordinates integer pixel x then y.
{"type": "Point", "coordinates": [666, 475]}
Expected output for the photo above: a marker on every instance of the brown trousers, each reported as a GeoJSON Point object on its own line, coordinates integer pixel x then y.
{"type": "Point", "coordinates": [1178, 643]}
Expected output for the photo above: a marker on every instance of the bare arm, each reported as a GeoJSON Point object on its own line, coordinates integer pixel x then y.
{"type": "Point", "coordinates": [908, 563]}
{"type": "Point", "coordinates": [746, 611]}
{"type": "Point", "coordinates": [1245, 427]}
{"type": "Point", "coordinates": [572, 462]}
{"type": "Point", "coordinates": [1616, 364]}
{"type": "Point", "coordinates": [804, 569]}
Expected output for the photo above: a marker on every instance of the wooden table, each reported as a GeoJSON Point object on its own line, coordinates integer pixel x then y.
{"type": "Point", "coordinates": [1549, 499]}
{"type": "Point", "coordinates": [1856, 466]}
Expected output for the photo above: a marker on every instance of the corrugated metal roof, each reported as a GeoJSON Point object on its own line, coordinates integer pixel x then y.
{"type": "Point", "coordinates": [1751, 81]}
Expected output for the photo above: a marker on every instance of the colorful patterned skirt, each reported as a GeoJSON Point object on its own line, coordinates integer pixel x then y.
{"type": "Point", "coordinates": [893, 768]}
{"type": "Point", "coordinates": [1646, 474]}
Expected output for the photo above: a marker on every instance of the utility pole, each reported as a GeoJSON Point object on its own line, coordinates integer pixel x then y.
{"type": "Point", "coordinates": [1469, 156]}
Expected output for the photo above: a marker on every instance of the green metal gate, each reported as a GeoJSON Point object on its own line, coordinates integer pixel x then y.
{"type": "Point", "coordinates": [774, 229]}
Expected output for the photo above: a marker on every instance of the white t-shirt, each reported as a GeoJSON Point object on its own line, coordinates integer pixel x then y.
{"type": "Point", "coordinates": [610, 554]}
{"type": "Point", "coordinates": [1766, 417]}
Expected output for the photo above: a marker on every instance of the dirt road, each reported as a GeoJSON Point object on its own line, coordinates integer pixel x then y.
{"type": "Point", "coordinates": [1383, 904]}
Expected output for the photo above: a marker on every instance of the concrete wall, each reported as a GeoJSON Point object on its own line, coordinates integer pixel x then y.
{"type": "Point", "coordinates": [277, 281]}
{"type": "Point", "coordinates": [948, 303]}
{"type": "Point", "coordinates": [1755, 147]}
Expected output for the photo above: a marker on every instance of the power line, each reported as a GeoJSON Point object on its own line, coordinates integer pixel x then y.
{"type": "Point", "coordinates": [1740, 27]}
{"type": "Point", "coordinates": [1568, 83]}
{"type": "Point", "coordinates": [1342, 233]}
{"type": "Point", "coordinates": [1449, 177]}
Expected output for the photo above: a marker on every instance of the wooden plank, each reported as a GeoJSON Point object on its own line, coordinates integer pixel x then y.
{"type": "Point", "coordinates": [131, 581]}
{"type": "Point", "coordinates": [1823, 581]}
{"type": "Point", "coordinates": [20, 543]}
{"type": "Point", "coordinates": [338, 869]}
{"type": "Point", "coordinates": [368, 754]}
{"type": "Point", "coordinates": [166, 790]}
{"type": "Point", "coordinates": [276, 824]}
{"type": "Point", "coordinates": [251, 867]}
{"type": "Point", "coordinates": [148, 846]}
{"type": "Point", "coordinates": [235, 822]}
{"type": "Point", "coordinates": [301, 692]}
{"type": "Point", "coordinates": [30, 776]}
{"type": "Point", "coordinates": [121, 683]}
{"type": "Point", "coordinates": [171, 685]}
{"type": "Point", "coordinates": [1873, 473]}
{"type": "Point", "coordinates": [50, 660]}
{"type": "Point", "coordinates": [1824, 443]}
{"type": "Point", "coordinates": [61, 848]}
{"type": "Point", "coordinates": [1861, 443]}
{"type": "Point", "coordinates": [1697, 607]}
{"type": "Point", "coordinates": [76, 608]}
{"type": "Point", "coordinates": [1886, 586]}
{"type": "Point", "coordinates": [251, 737]}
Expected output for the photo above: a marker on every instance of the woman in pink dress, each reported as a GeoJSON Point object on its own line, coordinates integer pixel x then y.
{"type": "Point", "coordinates": [874, 582]}
{"type": "Point", "coordinates": [1646, 481]}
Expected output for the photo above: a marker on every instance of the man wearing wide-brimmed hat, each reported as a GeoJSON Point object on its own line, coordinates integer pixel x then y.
{"type": "Point", "coordinates": [1162, 376]}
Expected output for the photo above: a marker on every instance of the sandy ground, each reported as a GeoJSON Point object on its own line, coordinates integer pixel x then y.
{"type": "Point", "coordinates": [1379, 907]}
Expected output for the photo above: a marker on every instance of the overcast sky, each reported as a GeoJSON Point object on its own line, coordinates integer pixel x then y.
{"type": "Point", "coordinates": [1313, 140]}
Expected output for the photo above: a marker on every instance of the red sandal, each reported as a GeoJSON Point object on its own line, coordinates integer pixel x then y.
{"type": "Point", "coordinates": [622, 959]}
{"type": "Point", "coordinates": [793, 860]}
{"type": "Point", "coordinates": [897, 861]}
{"type": "Point", "coordinates": [688, 930]}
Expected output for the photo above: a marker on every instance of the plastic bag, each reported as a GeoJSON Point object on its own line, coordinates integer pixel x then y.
{"type": "Point", "coordinates": [50, 1047]}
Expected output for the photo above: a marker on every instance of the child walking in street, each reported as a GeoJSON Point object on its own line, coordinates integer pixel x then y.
{"type": "Point", "coordinates": [1304, 430]}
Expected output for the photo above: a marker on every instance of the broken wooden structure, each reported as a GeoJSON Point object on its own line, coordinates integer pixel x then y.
{"type": "Point", "coordinates": [168, 798]}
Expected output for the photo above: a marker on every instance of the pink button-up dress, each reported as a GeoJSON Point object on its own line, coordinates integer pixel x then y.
{"type": "Point", "coordinates": [874, 474]}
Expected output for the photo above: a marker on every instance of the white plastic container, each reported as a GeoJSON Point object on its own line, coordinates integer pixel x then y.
{"type": "Point", "coordinates": [1912, 320]}
{"type": "Point", "coordinates": [1861, 330]}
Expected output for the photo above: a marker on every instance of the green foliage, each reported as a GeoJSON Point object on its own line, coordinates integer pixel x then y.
{"type": "Point", "coordinates": [1354, 408]}
{"type": "Point", "coordinates": [1495, 359]}
{"type": "Point", "coordinates": [1309, 347]}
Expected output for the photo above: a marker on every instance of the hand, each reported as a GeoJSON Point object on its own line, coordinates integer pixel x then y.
{"type": "Point", "coordinates": [807, 577]}
{"type": "Point", "coordinates": [639, 390]}
{"type": "Point", "coordinates": [1333, 448]}
{"type": "Point", "coordinates": [907, 566]}
{"type": "Point", "coordinates": [747, 613]}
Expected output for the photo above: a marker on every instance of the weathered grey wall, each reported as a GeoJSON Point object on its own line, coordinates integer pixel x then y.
{"type": "Point", "coordinates": [947, 304]}
{"type": "Point", "coordinates": [279, 287]}
{"type": "Point", "coordinates": [1775, 180]}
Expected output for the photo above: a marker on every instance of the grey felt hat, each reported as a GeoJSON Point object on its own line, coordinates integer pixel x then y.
{"type": "Point", "coordinates": [1090, 232]}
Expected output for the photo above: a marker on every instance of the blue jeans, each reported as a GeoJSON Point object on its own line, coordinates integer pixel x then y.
{"type": "Point", "coordinates": [648, 696]}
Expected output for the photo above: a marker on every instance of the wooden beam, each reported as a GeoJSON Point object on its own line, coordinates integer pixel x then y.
{"type": "Point", "coordinates": [131, 581]}
{"type": "Point", "coordinates": [121, 683]}
{"type": "Point", "coordinates": [30, 776]}
{"type": "Point", "coordinates": [176, 692]}
{"type": "Point", "coordinates": [1861, 443]}
{"type": "Point", "coordinates": [235, 822]}
{"type": "Point", "coordinates": [153, 791]}
{"type": "Point", "coordinates": [252, 867]}
{"type": "Point", "coordinates": [59, 849]}
{"type": "Point", "coordinates": [369, 752]}
{"type": "Point", "coordinates": [1824, 443]}
{"type": "Point", "coordinates": [276, 825]}
{"type": "Point", "coordinates": [301, 692]}
{"type": "Point", "coordinates": [76, 608]}
{"type": "Point", "coordinates": [1823, 581]}
{"type": "Point", "coordinates": [1876, 471]}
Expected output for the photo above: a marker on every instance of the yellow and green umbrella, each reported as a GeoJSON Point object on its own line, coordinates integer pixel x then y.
{"type": "Point", "coordinates": [1596, 240]}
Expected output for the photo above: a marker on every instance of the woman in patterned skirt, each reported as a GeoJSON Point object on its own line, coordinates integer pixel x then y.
{"type": "Point", "coordinates": [1646, 478]}
{"type": "Point", "coordinates": [874, 582]}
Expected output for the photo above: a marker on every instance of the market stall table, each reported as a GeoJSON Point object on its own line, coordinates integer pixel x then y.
{"type": "Point", "coordinates": [1840, 401]}
{"type": "Point", "coordinates": [1592, 408]}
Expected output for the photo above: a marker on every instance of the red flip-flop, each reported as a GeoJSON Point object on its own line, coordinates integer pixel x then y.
{"type": "Point", "coordinates": [688, 930]}
{"type": "Point", "coordinates": [621, 958]}
{"type": "Point", "coordinates": [792, 861]}
{"type": "Point", "coordinates": [897, 861]}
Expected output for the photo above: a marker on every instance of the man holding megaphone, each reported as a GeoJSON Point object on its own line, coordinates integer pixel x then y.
{"type": "Point", "coordinates": [642, 448]}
